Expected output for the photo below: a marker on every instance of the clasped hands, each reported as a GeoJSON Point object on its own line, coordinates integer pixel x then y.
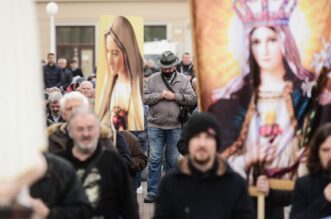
{"type": "Point", "coordinates": [168, 95]}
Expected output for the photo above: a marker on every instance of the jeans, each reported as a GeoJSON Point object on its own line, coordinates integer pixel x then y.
{"type": "Point", "coordinates": [158, 138]}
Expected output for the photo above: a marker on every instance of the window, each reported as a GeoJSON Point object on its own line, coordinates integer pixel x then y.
{"type": "Point", "coordinates": [77, 42]}
{"type": "Point", "coordinates": [155, 33]}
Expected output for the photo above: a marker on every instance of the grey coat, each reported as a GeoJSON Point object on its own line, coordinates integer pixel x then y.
{"type": "Point", "coordinates": [164, 113]}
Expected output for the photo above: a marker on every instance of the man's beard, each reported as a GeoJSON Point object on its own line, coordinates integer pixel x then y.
{"type": "Point", "coordinates": [55, 113]}
{"type": "Point", "coordinates": [327, 169]}
{"type": "Point", "coordinates": [87, 148]}
{"type": "Point", "coordinates": [200, 161]}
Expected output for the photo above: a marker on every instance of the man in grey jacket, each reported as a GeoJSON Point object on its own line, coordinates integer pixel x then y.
{"type": "Point", "coordinates": [165, 92]}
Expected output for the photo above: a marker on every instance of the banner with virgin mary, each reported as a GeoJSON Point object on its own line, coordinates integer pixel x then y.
{"type": "Point", "coordinates": [119, 100]}
{"type": "Point", "coordinates": [257, 61]}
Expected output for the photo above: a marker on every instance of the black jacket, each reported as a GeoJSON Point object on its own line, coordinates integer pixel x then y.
{"type": "Point", "coordinates": [52, 76]}
{"type": "Point", "coordinates": [77, 72]}
{"type": "Point", "coordinates": [50, 119]}
{"type": "Point", "coordinates": [138, 158]}
{"type": "Point", "coordinates": [308, 197]}
{"type": "Point", "coordinates": [107, 184]}
{"type": "Point", "coordinates": [66, 78]}
{"type": "Point", "coordinates": [187, 70]}
{"type": "Point", "coordinates": [61, 191]}
{"type": "Point", "coordinates": [187, 193]}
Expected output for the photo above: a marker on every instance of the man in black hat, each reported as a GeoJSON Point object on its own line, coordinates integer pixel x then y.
{"type": "Point", "coordinates": [165, 92]}
{"type": "Point", "coordinates": [203, 185]}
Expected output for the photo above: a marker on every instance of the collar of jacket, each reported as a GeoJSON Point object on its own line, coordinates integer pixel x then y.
{"type": "Point", "coordinates": [188, 66]}
{"type": "Point", "coordinates": [183, 166]}
{"type": "Point", "coordinates": [105, 132]}
{"type": "Point", "coordinates": [57, 127]}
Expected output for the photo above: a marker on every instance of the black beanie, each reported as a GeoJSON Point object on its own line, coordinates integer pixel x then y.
{"type": "Point", "coordinates": [202, 122]}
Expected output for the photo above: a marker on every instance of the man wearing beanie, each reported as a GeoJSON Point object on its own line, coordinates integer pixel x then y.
{"type": "Point", "coordinates": [203, 185]}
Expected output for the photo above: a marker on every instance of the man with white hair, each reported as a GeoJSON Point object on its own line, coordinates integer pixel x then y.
{"type": "Point", "coordinates": [71, 101]}
{"type": "Point", "coordinates": [103, 175]}
{"type": "Point", "coordinates": [58, 135]}
{"type": "Point", "coordinates": [86, 88]}
{"type": "Point", "coordinates": [54, 113]}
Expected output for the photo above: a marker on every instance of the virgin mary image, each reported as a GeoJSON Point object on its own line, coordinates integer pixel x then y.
{"type": "Point", "coordinates": [261, 107]}
{"type": "Point", "coordinates": [121, 104]}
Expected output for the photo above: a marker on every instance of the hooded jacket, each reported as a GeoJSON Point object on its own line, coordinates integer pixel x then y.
{"type": "Point", "coordinates": [218, 193]}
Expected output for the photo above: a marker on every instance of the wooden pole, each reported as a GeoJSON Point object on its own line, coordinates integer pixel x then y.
{"type": "Point", "coordinates": [260, 206]}
{"type": "Point", "coordinates": [278, 184]}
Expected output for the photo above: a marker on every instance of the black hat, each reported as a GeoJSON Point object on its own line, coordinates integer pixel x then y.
{"type": "Point", "coordinates": [202, 122]}
{"type": "Point", "coordinates": [167, 60]}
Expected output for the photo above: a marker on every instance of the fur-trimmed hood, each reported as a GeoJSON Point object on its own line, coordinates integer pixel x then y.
{"type": "Point", "coordinates": [105, 132]}
{"type": "Point", "coordinates": [61, 126]}
{"type": "Point", "coordinates": [183, 166]}
{"type": "Point", "coordinates": [58, 137]}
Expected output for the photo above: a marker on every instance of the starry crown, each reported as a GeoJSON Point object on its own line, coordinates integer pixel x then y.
{"type": "Point", "coordinates": [254, 13]}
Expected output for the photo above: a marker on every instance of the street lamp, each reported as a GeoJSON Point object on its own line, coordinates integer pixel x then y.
{"type": "Point", "coordinates": [52, 9]}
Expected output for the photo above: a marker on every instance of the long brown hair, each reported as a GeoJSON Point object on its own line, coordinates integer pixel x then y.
{"type": "Point", "coordinates": [123, 34]}
{"type": "Point", "coordinates": [255, 78]}
{"type": "Point", "coordinates": [314, 164]}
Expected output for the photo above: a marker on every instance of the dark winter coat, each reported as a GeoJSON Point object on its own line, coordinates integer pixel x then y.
{"type": "Point", "coordinates": [187, 70]}
{"type": "Point", "coordinates": [51, 121]}
{"type": "Point", "coordinates": [66, 78]}
{"type": "Point", "coordinates": [61, 191]}
{"type": "Point", "coordinates": [52, 76]}
{"type": "Point", "coordinates": [77, 72]}
{"type": "Point", "coordinates": [138, 158]}
{"type": "Point", "coordinates": [107, 184]}
{"type": "Point", "coordinates": [189, 193]}
{"type": "Point", "coordinates": [308, 197]}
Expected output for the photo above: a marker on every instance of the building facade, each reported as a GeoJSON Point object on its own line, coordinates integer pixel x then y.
{"type": "Point", "coordinates": [166, 22]}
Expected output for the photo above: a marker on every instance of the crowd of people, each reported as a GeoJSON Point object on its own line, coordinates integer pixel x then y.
{"type": "Point", "coordinates": [95, 172]}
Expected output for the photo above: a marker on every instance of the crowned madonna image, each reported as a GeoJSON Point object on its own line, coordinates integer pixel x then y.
{"type": "Point", "coordinates": [262, 106]}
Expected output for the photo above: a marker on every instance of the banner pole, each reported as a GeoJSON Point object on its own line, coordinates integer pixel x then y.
{"type": "Point", "coordinates": [260, 206]}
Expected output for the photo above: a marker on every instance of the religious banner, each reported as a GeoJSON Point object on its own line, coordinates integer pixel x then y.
{"type": "Point", "coordinates": [119, 100]}
{"type": "Point", "coordinates": [257, 62]}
